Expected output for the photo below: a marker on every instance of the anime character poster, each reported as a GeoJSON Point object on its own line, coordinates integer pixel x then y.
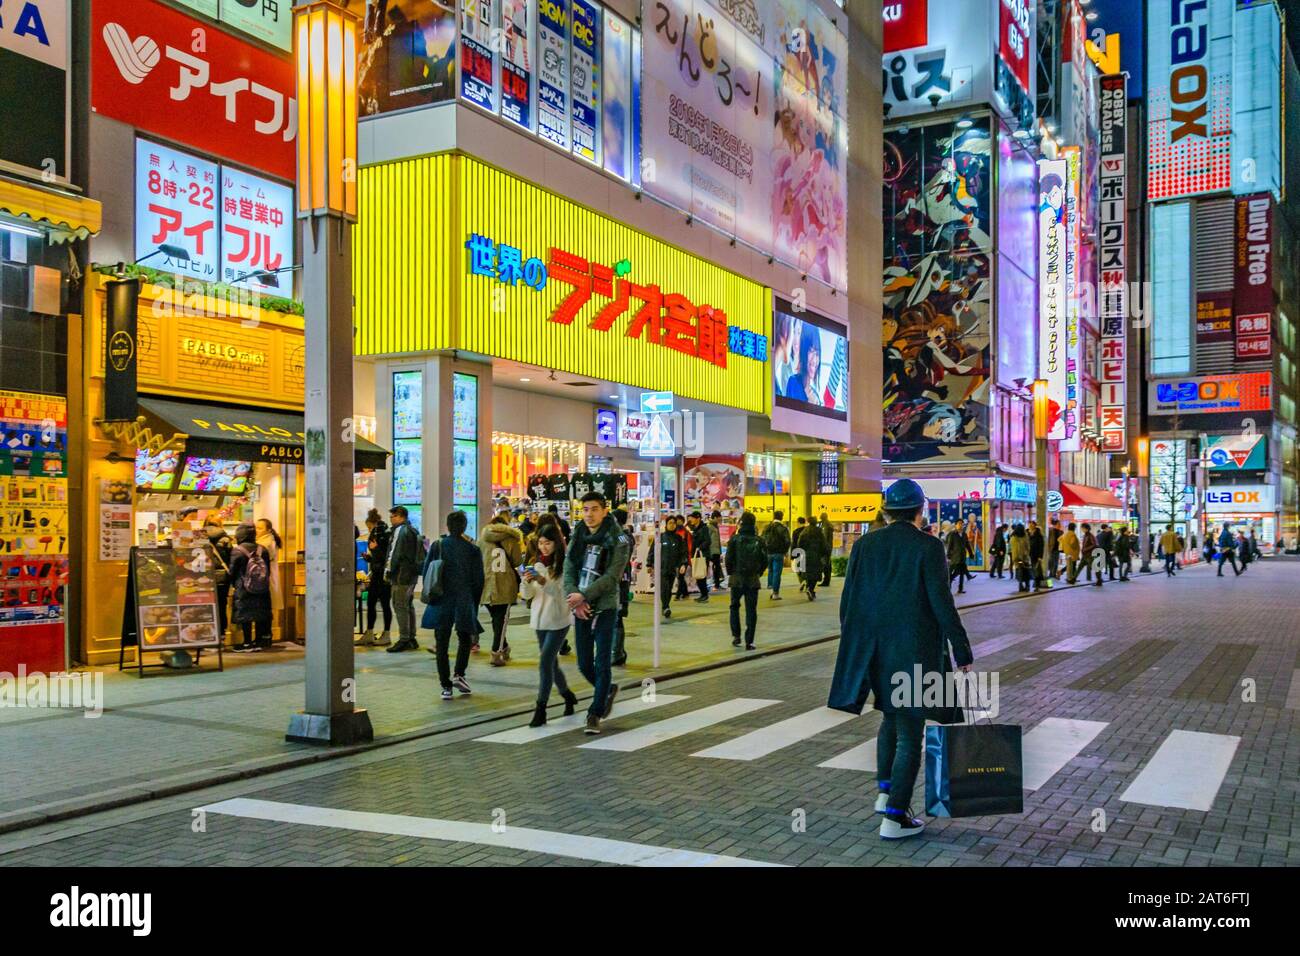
{"type": "Point", "coordinates": [937, 293]}
{"type": "Point", "coordinates": [715, 483]}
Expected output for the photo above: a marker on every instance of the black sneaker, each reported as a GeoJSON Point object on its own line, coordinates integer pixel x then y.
{"type": "Point", "coordinates": [565, 648]}
{"type": "Point", "coordinates": [668, 612]}
{"type": "Point", "coordinates": [620, 661]}
{"type": "Point", "coordinates": [735, 641]}
{"type": "Point", "coordinates": [899, 826]}
{"type": "Point", "coordinates": [461, 684]}
{"type": "Point", "coordinates": [609, 699]}
{"type": "Point", "coordinates": [749, 647]}
{"type": "Point", "coordinates": [593, 725]}
{"type": "Point", "coordinates": [446, 693]}
{"type": "Point", "coordinates": [702, 599]}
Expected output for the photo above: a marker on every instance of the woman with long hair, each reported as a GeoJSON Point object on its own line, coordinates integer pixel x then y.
{"type": "Point", "coordinates": [270, 540]}
{"type": "Point", "coordinates": [550, 617]}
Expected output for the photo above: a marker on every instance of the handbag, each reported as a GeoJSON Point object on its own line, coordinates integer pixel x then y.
{"type": "Point", "coordinates": [431, 589]}
{"type": "Point", "coordinates": [221, 577]}
{"type": "Point", "coordinates": [699, 566]}
{"type": "Point", "coordinates": [973, 770]}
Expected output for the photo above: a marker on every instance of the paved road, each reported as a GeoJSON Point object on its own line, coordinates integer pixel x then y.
{"type": "Point", "coordinates": [1160, 723]}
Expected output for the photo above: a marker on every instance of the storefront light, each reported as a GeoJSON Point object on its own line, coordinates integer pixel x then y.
{"type": "Point", "coordinates": [325, 51]}
{"type": "Point", "coordinates": [1041, 425]}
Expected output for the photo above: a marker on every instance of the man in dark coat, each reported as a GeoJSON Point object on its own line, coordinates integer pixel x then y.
{"type": "Point", "coordinates": [457, 607]}
{"type": "Point", "coordinates": [402, 574]}
{"type": "Point", "coordinates": [252, 590]}
{"type": "Point", "coordinates": [673, 557]}
{"type": "Point", "coordinates": [746, 561]}
{"type": "Point", "coordinates": [1106, 541]}
{"type": "Point", "coordinates": [701, 544]}
{"type": "Point", "coordinates": [811, 547]}
{"type": "Point", "coordinates": [1037, 549]}
{"type": "Point", "coordinates": [897, 622]}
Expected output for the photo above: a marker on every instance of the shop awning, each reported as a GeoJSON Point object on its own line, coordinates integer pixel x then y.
{"type": "Point", "coordinates": [65, 215]}
{"type": "Point", "coordinates": [1082, 496]}
{"type": "Point", "coordinates": [244, 434]}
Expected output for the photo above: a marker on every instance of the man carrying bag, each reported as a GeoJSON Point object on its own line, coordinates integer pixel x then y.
{"type": "Point", "coordinates": [897, 622]}
{"type": "Point", "coordinates": [973, 770]}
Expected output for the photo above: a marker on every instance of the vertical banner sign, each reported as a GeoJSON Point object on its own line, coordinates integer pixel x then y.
{"type": "Point", "coordinates": [1253, 277]}
{"type": "Point", "coordinates": [516, 63]}
{"type": "Point", "coordinates": [476, 53]}
{"type": "Point", "coordinates": [1073, 413]}
{"type": "Point", "coordinates": [123, 296]}
{"type": "Point", "coordinates": [1014, 39]}
{"type": "Point", "coordinates": [1112, 271]}
{"type": "Point", "coordinates": [586, 20]}
{"type": "Point", "coordinates": [553, 72]}
{"type": "Point", "coordinates": [1053, 182]}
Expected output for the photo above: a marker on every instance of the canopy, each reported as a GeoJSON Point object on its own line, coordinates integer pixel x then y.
{"type": "Point", "coordinates": [245, 434]}
{"type": "Point", "coordinates": [1082, 496]}
{"type": "Point", "coordinates": [66, 215]}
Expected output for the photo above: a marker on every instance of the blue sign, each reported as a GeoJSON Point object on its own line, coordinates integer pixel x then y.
{"type": "Point", "coordinates": [1055, 501]}
{"type": "Point", "coordinates": [606, 427]}
{"type": "Point", "coordinates": [658, 441]}
{"type": "Point", "coordinates": [656, 403]}
{"type": "Point", "coordinates": [1009, 489]}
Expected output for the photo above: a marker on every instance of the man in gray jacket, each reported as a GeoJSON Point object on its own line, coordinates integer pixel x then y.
{"type": "Point", "coordinates": [403, 572]}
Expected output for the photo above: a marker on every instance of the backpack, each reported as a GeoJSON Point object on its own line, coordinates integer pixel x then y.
{"type": "Point", "coordinates": [751, 556]}
{"type": "Point", "coordinates": [776, 538]}
{"type": "Point", "coordinates": [256, 578]}
{"type": "Point", "coordinates": [431, 590]}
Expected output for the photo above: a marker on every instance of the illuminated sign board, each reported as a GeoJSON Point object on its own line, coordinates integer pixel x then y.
{"type": "Point", "coordinates": [1053, 306]}
{"type": "Point", "coordinates": [1112, 266]}
{"type": "Point", "coordinates": [1239, 499]}
{"type": "Point", "coordinates": [1208, 394]}
{"type": "Point", "coordinates": [1237, 452]}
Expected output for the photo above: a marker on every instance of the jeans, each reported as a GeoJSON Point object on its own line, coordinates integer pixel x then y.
{"type": "Point", "coordinates": [750, 595]}
{"type": "Point", "coordinates": [996, 570]}
{"type": "Point", "coordinates": [898, 756]}
{"type": "Point", "coordinates": [775, 565]}
{"type": "Point", "coordinates": [381, 593]}
{"type": "Point", "coordinates": [620, 630]}
{"type": "Point", "coordinates": [716, 562]}
{"type": "Point", "coordinates": [1171, 562]}
{"type": "Point", "coordinates": [498, 613]}
{"type": "Point", "coordinates": [1071, 570]}
{"type": "Point", "coordinates": [404, 608]}
{"type": "Point", "coordinates": [1230, 556]}
{"type": "Point", "coordinates": [442, 641]}
{"type": "Point", "coordinates": [548, 665]}
{"type": "Point", "coordinates": [593, 638]}
{"type": "Point", "coordinates": [263, 631]}
{"type": "Point", "coordinates": [703, 585]}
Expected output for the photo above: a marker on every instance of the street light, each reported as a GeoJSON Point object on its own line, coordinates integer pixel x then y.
{"type": "Point", "coordinates": [325, 54]}
{"type": "Point", "coordinates": [1145, 528]}
{"type": "Point", "coordinates": [1042, 427]}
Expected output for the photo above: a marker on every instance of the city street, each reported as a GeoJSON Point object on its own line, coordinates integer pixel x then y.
{"type": "Point", "coordinates": [1159, 720]}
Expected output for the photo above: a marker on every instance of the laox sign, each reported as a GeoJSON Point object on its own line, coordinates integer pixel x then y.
{"type": "Point", "coordinates": [1189, 83]}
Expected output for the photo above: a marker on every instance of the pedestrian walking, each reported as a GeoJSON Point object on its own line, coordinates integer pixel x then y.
{"type": "Point", "coordinates": [998, 551]}
{"type": "Point", "coordinates": [379, 593]}
{"type": "Point", "coordinates": [1037, 549]}
{"type": "Point", "coordinates": [746, 560]}
{"type": "Point", "coordinates": [551, 618]}
{"type": "Point", "coordinates": [957, 548]}
{"type": "Point", "coordinates": [816, 554]}
{"type": "Point", "coordinates": [405, 561]}
{"type": "Point", "coordinates": [502, 550]}
{"type": "Point", "coordinates": [250, 575]}
{"type": "Point", "coordinates": [684, 533]}
{"type": "Point", "coordinates": [1054, 548]}
{"type": "Point", "coordinates": [1171, 546]}
{"type": "Point", "coordinates": [776, 540]}
{"type": "Point", "coordinates": [223, 548]}
{"type": "Point", "coordinates": [592, 569]}
{"type": "Point", "coordinates": [1070, 548]}
{"type": "Point", "coordinates": [672, 556]}
{"type": "Point", "coordinates": [1089, 550]}
{"type": "Point", "coordinates": [1227, 550]}
{"type": "Point", "coordinates": [624, 592]}
{"type": "Point", "coordinates": [1018, 549]}
{"type": "Point", "coordinates": [701, 550]}
{"type": "Point", "coordinates": [1125, 543]}
{"type": "Point", "coordinates": [1106, 541]}
{"type": "Point", "coordinates": [715, 548]}
{"type": "Point", "coordinates": [897, 617]}
{"type": "Point", "coordinates": [457, 563]}
{"type": "Point", "coordinates": [1244, 557]}
{"type": "Point", "coordinates": [828, 532]}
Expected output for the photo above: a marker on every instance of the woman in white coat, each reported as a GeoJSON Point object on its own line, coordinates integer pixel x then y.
{"type": "Point", "coordinates": [550, 617]}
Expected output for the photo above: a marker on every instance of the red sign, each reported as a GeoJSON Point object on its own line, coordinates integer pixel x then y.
{"type": "Point", "coordinates": [1253, 276]}
{"type": "Point", "coordinates": [906, 24]}
{"type": "Point", "coordinates": [172, 75]}
{"type": "Point", "coordinates": [1014, 22]}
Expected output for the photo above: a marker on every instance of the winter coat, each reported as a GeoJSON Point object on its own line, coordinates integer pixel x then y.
{"type": "Point", "coordinates": [249, 607]}
{"type": "Point", "coordinates": [1019, 550]}
{"type": "Point", "coordinates": [816, 553]}
{"type": "Point", "coordinates": [462, 585]}
{"type": "Point", "coordinates": [404, 556]}
{"type": "Point", "coordinates": [1070, 544]}
{"type": "Point", "coordinates": [747, 548]}
{"type": "Point", "coordinates": [701, 540]}
{"type": "Point", "coordinates": [896, 614]}
{"type": "Point", "coordinates": [1106, 539]}
{"type": "Point", "coordinates": [502, 548]}
{"type": "Point", "coordinates": [715, 538]}
{"type": "Point", "coordinates": [956, 548]}
{"type": "Point", "coordinates": [602, 554]}
{"type": "Point", "coordinates": [224, 548]}
{"type": "Point", "coordinates": [1124, 545]}
{"type": "Point", "coordinates": [1035, 544]}
{"type": "Point", "coordinates": [377, 550]}
{"type": "Point", "coordinates": [999, 545]}
{"type": "Point", "coordinates": [549, 610]}
{"type": "Point", "coordinates": [1226, 540]}
{"type": "Point", "coordinates": [674, 555]}
{"type": "Point", "coordinates": [1089, 545]}
{"type": "Point", "coordinates": [776, 539]}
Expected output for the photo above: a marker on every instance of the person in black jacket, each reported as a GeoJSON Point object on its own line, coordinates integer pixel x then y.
{"type": "Point", "coordinates": [957, 549]}
{"type": "Point", "coordinates": [1106, 541]}
{"type": "Point", "coordinates": [457, 607]}
{"type": "Point", "coordinates": [403, 574]}
{"type": "Point", "coordinates": [252, 590]}
{"type": "Point", "coordinates": [998, 551]}
{"type": "Point", "coordinates": [379, 592]}
{"type": "Point", "coordinates": [673, 557]}
{"type": "Point", "coordinates": [222, 545]}
{"type": "Point", "coordinates": [1037, 549]}
{"type": "Point", "coordinates": [701, 544]}
{"type": "Point", "coordinates": [897, 617]}
{"type": "Point", "coordinates": [564, 525]}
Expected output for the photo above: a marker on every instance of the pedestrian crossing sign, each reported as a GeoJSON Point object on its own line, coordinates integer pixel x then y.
{"type": "Point", "coordinates": [657, 441]}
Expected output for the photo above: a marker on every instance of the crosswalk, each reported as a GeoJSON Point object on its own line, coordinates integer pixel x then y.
{"type": "Point", "coordinates": [1186, 771]}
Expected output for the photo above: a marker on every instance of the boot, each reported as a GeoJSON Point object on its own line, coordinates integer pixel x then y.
{"type": "Point", "coordinates": [383, 640]}
{"type": "Point", "coordinates": [570, 703]}
{"type": "Point", "coordinates": [365, 640]}
{"type": "Point", "coordinates": [539, 716]}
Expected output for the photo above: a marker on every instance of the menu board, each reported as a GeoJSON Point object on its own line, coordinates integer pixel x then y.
{"type": "Point", "coordinates": [114, 519]}
{"type": "Point", "coordinates": [156, 471]}
{"type": "Point", "coordinates": [175, 597]}
{"type": "Point", "coordinates": [215, 476]}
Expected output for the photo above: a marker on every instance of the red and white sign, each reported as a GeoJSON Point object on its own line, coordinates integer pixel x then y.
{"type": "Point", "coordinates": [906, 24]}
{"type": "Point", "coordinates": [188, 81]}
{"type": "Point", "coordinates": [1253, 277]}
{"type": "Point", "coordinates": [1015, 22]}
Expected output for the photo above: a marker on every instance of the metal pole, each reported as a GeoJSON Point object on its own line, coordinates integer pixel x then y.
{"type": "Point", "coordinates": [1145, 522]}
{"type": "Point", "coordinates": [657, 577]}
{"type": "Point", "coordinates": [1040, 463]}
{"type": "Point", "coordinates": [330, 716]}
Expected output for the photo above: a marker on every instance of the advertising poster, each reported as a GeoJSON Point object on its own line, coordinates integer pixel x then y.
{"type": "Point", "coordinates": [257, 222]}
{"type": "Point", "coordinates": [176, 205]}
{"type": "Point", "coordinates": [114, 519]}
{"type": "Point", "coordinates": [616, 91]}
{"type": "Point", "coordinates": [1237, 452]}
{"type": "Point", "coordinates": [1213, 317]}
{"type": "Point", "coordinates": [408, 471]}
{"type": "Point", "coordinates": [408, 404]}
{"type": "Point", "coordinates": [1072, 412]}
{"type": "Point", "coordinates": [232, 99]}
{"type": "Point", "coordinates": [176, 597]}
{"type": "Point", "coordinates": [464, 408]}
{"type": "Point", "coordinates": [585, 74]}
{"type": "Point", "coordinates": [1189, 98]}
{"type": "Point", "coordinates": [464, 472]}
{"type": "Point", "coordinates": [156, 471]}
{"type": "Point", "coordinates": [1213, 394]}
{"type": "Point", "coordinates": [553, 72]}
{"type": "Point", "coordinates": [1112, 265]}
{"type": "Point", "coordinates": [715, 483]}
{"type": "Point", "coordinates": [936, 324]}
{"type": "Point", "coordinates": [407, 56]}
{"type": "Point", "coordinates": [476, 53]}
{"type": "Point", "coordinates": [940, 62]}
{"type": "Point", "coordinates": [1253, 277]}
{"type": "Point", "coordinates": [516, 63]}
{"type": "Point", "coordinates": [810, 364]}
{"type": "Point", "coordinates": [1053, 285]}
{"type": "Point", "coordinates": [272, 22]}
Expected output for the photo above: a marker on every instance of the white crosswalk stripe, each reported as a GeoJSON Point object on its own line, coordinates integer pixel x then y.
{"type": "Point", "coordinates": [1052, 744]}
{"type": "Point", "coordinates": [560, 725]}
{"type": "Point", "coordinates": [766, 740]}
{"type": "Point", "coordinates": [657, 732]}
{"type": "Point", "coordinates": [862, 757]}
{"type": "Point", "coordinates": [1186, 771]}
{"type": "Point", "coordinates": [994, 644]}
{"type": "Point", "coordinates": [1079, 642]}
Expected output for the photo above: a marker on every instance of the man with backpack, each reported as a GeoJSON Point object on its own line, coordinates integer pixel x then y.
{"type": "Point", "coordinates": [776, 541]}
{"type": "Point", "coordinates": [405, 561]}
{"type": "Point", "coordinates": [250, 575]}
{"type": "Point", "coordinates": [746, 559]}
{"type": "Point", "coordinates": [453, 580]}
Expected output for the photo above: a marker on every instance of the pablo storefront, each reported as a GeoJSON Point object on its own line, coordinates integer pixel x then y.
{"type": "Point", "coordinates": [511, 333]}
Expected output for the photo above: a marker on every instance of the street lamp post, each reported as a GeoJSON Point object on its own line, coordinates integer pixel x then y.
{"type": "Point", "coordinates": [325, 53]}
{"type": "Point", "coordinates": [1041, 428]}
{"type": "Point", "coordinates": [1145, 527]}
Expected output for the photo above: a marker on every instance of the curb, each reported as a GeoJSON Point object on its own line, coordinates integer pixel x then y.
{"type": "Point", "coordinates": [74, 807]}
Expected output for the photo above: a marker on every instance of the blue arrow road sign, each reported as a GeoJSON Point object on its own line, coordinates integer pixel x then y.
{"type": "Point", "coordinates": [656, 403]}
